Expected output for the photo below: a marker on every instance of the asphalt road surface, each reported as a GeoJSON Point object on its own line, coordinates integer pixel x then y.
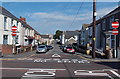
{"type": "Point", "coordinates": [56, 64]}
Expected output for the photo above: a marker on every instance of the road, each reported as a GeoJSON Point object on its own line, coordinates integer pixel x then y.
{"type": "Point", "coordinates": [56, 64]}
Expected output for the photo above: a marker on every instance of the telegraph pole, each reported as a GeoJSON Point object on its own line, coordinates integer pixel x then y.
{"type": "Point", "coordinates": [94, 29]}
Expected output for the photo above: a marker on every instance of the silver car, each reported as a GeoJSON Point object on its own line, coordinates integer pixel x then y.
{"type": "Point", "coordinates": [41, 48]}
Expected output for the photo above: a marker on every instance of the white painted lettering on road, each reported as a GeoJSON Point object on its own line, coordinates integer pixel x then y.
{"type": "Point", "coordinates": [58, 60]}
{"type": "Point", "coordinates": [96, 73]}
{"type": "Point", "coordinates": [39, 72]}
{"type": "Point", "coordinates": [56, 55]}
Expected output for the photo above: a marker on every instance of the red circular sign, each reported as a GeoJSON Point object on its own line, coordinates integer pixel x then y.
{"type": "Point", "coordinates": [115, 24]}
{"type": "Point", "coordinates": [14, 28]}
{"type": "Point", "coordinates": [115, 32]}
{"type": "Point", "coordinates": [14, 33]}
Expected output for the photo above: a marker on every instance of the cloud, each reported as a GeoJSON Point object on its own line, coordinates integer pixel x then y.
{"type": "Point", "coordinates": [57, 16]}
{"type": "Point", "coordinates": [104, 11]}
{"type": "Point", "coordinates": [46, 22]}
{"type": "Point", "coordinates": [58, 0]}
{"type": "Point", "coordinates": [56, 20]}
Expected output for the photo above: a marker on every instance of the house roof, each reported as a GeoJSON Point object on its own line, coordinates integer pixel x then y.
{"type": "Point", "coordinates": [69, 34]}
{"type": "Point", "coordinates": [45, 36]}
{"type": "Point", "coordinates": [117, 10]}
{"type": "Point", "coordinates": [8, 14]}
{"type": "Point", "coordinates": [84, 26]}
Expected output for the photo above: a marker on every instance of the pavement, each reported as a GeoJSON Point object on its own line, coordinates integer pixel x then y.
{"type": "Point", "coordinates": [89, 57]}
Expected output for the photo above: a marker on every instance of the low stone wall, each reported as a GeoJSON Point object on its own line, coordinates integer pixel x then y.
{"type": "Point", "coordinates": [7, 49]}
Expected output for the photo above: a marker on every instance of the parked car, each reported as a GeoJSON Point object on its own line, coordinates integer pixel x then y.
{"type": "Point", "coordinates": [75, 46]}
{"type": "Point", "coordinates": [41, 48]}
{"type": "Point", "coordinates": [49, 47]}
{"type": "Point", "coordinates": [61, 47]}
{"type": "Point", "coordinates": [69, 49]}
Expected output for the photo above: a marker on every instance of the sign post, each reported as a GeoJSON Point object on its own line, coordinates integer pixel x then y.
{"type": "Point", "coordinates": [115, 32]}
{"type": "Point", "coordinates": [14, 33]}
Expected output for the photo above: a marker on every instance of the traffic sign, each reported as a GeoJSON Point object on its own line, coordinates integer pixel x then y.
{"type": "Point", "coordinates": [115, 32]}
{"type": "Point", "coordinates": [14, 28]}
{"type": "Point", "coordinates": [115, 24]}
{"type": "Point", "coordinates": [14, 33]}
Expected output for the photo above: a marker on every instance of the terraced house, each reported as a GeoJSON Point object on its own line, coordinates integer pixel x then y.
{"type": "Point", "coordinates": [27, 38]}
{"type": "Point", "coordinates": [105, 40]}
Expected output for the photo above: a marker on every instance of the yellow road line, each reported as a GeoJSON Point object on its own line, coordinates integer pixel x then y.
{"type": "Point", "coordinates": [8, 59]}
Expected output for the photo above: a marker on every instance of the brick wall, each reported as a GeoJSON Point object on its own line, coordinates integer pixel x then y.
{"type": "Point", "coordinates": [7, 49]}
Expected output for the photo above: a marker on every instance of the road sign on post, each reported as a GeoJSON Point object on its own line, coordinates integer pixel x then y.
{"type": "Point", "coordinates": [14, 33]}
{"type": "Point", "coordinates": [115, 31]}
{"type": "Point", "coordinates": [115, 24]}
{"type": "Point", "coordinates": [14, 28]}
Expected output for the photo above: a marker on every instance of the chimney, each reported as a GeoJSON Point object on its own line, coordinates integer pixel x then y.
{"type": "Point", "coordinates": [23, 19]}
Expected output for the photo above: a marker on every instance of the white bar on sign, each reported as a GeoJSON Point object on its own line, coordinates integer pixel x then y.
{"type": "Point", "coordinates": [115, 32]}
{"type": "Point", "coordinates": [115, 24]}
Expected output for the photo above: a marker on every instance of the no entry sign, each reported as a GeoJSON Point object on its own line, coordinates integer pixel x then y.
{"type": "Point", "coordinates": [14, 28]}
{"type": "Point", "coordinates": [115, 32]}
{"type": "Point", "coordinates": [14, 33]}
{"type": "Point", "coordinates": [115, 24]}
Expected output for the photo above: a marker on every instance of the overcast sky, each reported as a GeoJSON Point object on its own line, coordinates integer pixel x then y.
{"type": "Point", "coordinates": [47, 17]}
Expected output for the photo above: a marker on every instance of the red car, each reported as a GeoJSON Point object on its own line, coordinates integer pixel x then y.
{"type": "Point", "coordinates": [70, 50]}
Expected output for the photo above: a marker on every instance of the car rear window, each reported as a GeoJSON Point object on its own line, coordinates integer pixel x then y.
{"type": "Point", "coordinates": [69, 47]}
{"type": "Point", "coordinates": [41, 46]}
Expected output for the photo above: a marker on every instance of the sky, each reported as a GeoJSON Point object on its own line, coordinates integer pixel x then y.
{"type": "Point", "coordinates": [47, 17]}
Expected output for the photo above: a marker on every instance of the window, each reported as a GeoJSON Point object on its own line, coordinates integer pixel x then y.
{"type": "Point", "coordinates": [112, 41]}
{"type": "Point", "coordinates": [12, 22]}
{"type": "Point", "coordinates": [16, 40]}
{"type": "Point", "coordinates": [5, 39]}
{"type": "Point", "coordinates": [5, 23]}
{"type": "Point", "coordinates": [103, 24]}
{"type": "Point", "coordinates": [111, 20]}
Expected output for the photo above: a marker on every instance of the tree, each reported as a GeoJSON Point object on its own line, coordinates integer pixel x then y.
{"type": "Point", "coordinates": [57, 35]}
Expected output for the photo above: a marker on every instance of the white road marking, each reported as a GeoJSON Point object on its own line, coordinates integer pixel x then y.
{"type": "Point", "coordinates": [97, 73]}
{"type": "Point", "coordinates": [115, 73]}
{"type": "Point", "coordinates": [56, 55]}
{"type": "Point", "coordinates": [49, 72]}
{"type": "Point", "coordinates": [57, 60]}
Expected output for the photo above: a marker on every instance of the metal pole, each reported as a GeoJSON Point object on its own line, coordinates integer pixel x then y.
{"type": "Point", "coordinates": [115, 48]}
{"type": "Point", "coordinates": [13, 50]}
{"type": "Point", "coordinates": [94, 29]}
